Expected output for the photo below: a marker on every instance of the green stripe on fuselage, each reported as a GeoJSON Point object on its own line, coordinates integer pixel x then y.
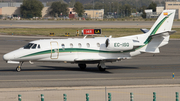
{"type": "Point", "coordinates": [73, 50]}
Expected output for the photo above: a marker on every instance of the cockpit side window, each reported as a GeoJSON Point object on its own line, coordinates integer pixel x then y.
{"type": "Point", "coordinates": [39, 46]}
{"type": "Point", "coordinates": [34, 46]}
{"type": "Point", "coordinates": [28, 46]}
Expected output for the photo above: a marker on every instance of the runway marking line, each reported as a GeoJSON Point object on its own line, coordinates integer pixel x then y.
{"type": "Point", "coordinates": [79, 79]}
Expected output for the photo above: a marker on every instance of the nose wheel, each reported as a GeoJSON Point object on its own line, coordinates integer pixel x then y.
{"type": "Point", "coordinates": [18, 69]}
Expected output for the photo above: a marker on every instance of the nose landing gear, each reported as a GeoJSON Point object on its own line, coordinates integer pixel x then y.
{"type": "Point", "coordinates": [18, 69]}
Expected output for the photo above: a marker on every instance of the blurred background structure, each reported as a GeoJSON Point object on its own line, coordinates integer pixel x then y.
{"type": "Point", "coordinates": [96, 9]}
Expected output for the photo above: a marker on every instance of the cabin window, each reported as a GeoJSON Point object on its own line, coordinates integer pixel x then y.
{"type": "Point", "coordinates": [79, 44]}
{"type": "Point", "coordinates": [88, 45]}
{"type": "Point", "coordinates": [34, 46]}
{"type": "Point", "coordinates": [62, 45]}
{"type": "Point", "coordinates": [98, 45]}
{"type": "Point", "coordinates": [28, 46]}
{"type": "Point", "coordinates": [71, 45]}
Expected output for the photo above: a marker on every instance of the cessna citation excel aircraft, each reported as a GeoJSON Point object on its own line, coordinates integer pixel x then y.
{"type": "Point", "coordinates": [95, 50]}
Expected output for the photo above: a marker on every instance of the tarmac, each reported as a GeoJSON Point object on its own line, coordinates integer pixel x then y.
{"type": "Point", "coordinates": [78, 24]}
{"type": "Point", "coordinates": [142, 75]}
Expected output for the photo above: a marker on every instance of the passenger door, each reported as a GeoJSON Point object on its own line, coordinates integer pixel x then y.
{"type": "Point", "coordinates": [54, 50]}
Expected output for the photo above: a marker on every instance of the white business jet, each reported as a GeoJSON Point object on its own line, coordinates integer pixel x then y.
{"type": "Point", "coordinates": [95, 50]}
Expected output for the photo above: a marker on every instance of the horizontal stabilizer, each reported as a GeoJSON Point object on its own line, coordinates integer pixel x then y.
{"type": "Point", "coordinates": [144, 30]}
{"type": "Point", "coordinates": [163, 33]}
{"type": "Point", "coordinates": [152, 50]}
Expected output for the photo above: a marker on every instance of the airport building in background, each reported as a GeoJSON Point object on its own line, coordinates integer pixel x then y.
{"type": "Point", "coordinates": [10, 11]}
{"type": "Point", "coordinates": [95, 14]}
{"type": "Point", "coordinates": [15, 12]}
{"type": "Point", "coordinates": [160, 8]}
{"type": "Point", "coordinates": [13, 9]}
{"type": "Point", "coordinates": [151, 14]}
{"type": "Point", "coordinates": [174, 5]}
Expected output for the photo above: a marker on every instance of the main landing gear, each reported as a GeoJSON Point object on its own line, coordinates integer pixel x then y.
{"type": "Point", "coordinates": [101, 66]}
{"type": "Point", "coordinates": [18, 69]}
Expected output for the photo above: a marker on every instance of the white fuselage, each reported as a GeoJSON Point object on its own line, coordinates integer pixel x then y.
{"type": "Point", "coordinates": [68, 50]}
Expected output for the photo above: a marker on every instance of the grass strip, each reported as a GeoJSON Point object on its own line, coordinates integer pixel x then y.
{"type": "Point", "coordinates": [115, 32]}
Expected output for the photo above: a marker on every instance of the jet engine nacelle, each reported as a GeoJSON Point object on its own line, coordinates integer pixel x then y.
{"type": "Point", "coordinates": [119, 44]}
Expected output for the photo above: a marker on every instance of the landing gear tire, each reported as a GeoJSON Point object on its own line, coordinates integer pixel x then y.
{"type": "Point", "coordinates": [100, 68]}
{"type": "Point", "coordinates": [18, 69]}
{"type": "Point", "coordinates": [82, 66]}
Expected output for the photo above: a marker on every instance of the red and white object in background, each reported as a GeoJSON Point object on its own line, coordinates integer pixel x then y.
{"type": "Point", "coordinates": [88, 31]}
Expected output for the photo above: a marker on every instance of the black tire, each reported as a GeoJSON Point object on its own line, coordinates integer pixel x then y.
{"type": "Point", "coordinates": [18, 69]}
{"type": "Point", "coordinates": [82, 66]}
{"type": "Point", "coordinates": [100, 68]}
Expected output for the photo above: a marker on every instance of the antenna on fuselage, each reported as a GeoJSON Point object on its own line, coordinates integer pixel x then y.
{"type": "Point", "coordinates": [85, 37]}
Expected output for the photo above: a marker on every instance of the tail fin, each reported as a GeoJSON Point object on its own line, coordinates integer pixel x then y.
{"type": "Point", "coordinates": [160, 32]}
{"type": "Point", "coordinates": [163, 23]}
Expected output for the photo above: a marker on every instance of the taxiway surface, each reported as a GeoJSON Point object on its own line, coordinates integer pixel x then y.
{"type": "Point", "coordinates": [144, 69]}
{"type": "Point", "coordinates": [78, 24]}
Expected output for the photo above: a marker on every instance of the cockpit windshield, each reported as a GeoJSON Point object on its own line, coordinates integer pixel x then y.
{"type": "Point", "coordinates": [32, 46]}
{"type": "Point", "coordinates": [28, 46]}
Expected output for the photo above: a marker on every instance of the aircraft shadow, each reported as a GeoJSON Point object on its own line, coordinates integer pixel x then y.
{"type": "Point", "coordinates": [121, 67]}
{"type": "Point", "coordinates": [88, 69]}
{"type": "Point", "coordinates": [58, 68]}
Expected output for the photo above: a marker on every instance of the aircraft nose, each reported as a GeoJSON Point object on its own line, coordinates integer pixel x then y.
{"type": "Point", "coordinates": [7, 57]}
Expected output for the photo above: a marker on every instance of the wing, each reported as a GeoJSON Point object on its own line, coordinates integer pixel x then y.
{"type": "Point", "coordinates": [144, 30]}
{"type": "Point", "coordinates": [100, 59]}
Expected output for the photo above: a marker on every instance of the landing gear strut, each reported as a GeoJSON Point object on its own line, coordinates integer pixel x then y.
{"type": "Point", "coordinates": [82, 66]}
{"type": "Point", "coordinates": [101, 66]}
{"type": "Point", "coordinates": [18, 69]}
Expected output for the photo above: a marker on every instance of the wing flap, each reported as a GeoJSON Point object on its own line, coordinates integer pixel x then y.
{"type": "Point", "coordinates": [152, 50]}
